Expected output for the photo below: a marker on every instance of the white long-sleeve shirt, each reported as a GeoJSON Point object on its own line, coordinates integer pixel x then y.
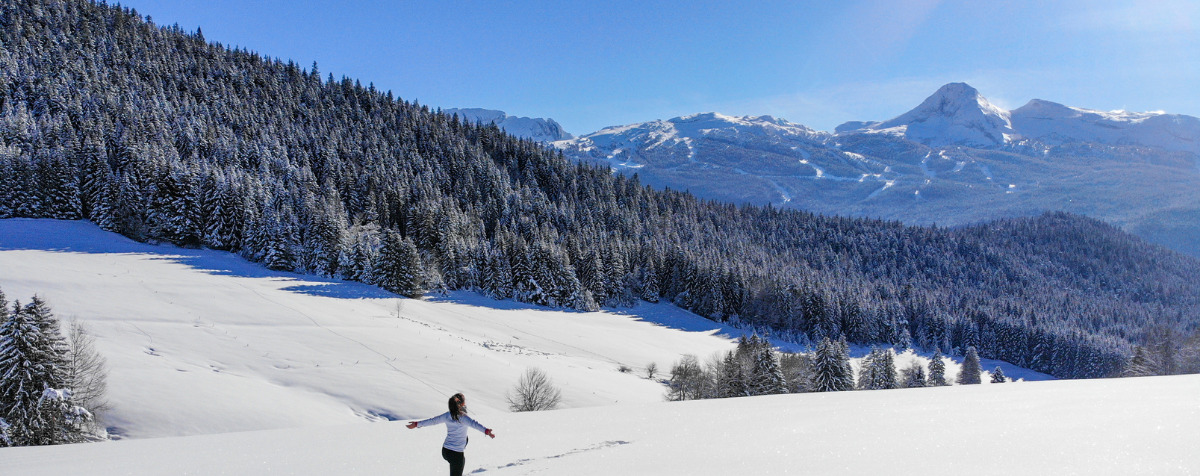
{"type": "Point", "coordinates": [456, 431]}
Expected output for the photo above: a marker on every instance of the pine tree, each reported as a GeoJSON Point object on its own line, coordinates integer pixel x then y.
{"type": "Point", "coordinates": [766, 377]}
{"type": "Point", "coordinates": [732, 380]}
{"type": "Point", "coordinates": [998, 375]}
{"type": "Point", "coordinates": [831, 368]}
{"type": "Point", "coordinates": [969, 374]}
{"type": "Point", "coordinates": [34, 399]}
{"type": "Point", "coordinates": [937, 370]}
{"type": "Point", "coordinates": [878, 371]}
{"type": "Point", "coordinates": [400, 269]}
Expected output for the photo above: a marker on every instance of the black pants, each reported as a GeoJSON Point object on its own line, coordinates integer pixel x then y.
{"type": "Point", "coordinates": [456, 459]}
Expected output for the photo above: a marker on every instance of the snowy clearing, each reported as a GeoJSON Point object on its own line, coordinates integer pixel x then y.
{"type": "Point", "coordinates": [1093, 427]}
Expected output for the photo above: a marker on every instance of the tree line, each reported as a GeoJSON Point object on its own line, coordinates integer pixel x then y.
{"type": "Point", "coordinates": [756, 368]}
{"type": "Point", "coordinates": [161, 135]}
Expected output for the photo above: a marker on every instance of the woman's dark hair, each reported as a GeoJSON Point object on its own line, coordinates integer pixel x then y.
{"type": "Point", "coordinates": [458, 405]}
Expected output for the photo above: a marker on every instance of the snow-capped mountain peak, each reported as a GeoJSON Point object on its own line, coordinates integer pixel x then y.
{"type": "Point", "coordinates": [954, 115]}
{"type": "Point", "coordinates": [542, 130]}
{"type": "Point", "coordinates": [1053, 124]}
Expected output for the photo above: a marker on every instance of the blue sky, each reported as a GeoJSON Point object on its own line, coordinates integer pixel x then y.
{"type": "Point", "coordinates": [595, 64]}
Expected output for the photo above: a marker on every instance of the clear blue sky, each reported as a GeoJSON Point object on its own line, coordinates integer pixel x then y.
{"type": "Point", "coordinates": [590, 64]}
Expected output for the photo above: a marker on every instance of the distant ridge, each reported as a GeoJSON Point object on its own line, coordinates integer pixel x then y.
{"type": "Point", "coordinates": [538, 129]}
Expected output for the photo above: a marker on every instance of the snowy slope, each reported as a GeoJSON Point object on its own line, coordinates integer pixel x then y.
{"type": "Point", "coordinates": [203, 342]}
{"type": "Point", "coordinates": [538, 129]}
{"type": "Point", "coordinates": [1055, 124]}
{"type": "Point", "coordinates": [1083, 427]}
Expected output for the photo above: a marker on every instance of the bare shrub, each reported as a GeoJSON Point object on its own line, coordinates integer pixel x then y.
{"type": "Point", "coordinates": [87, 372]}
{"type": "Point", "coordinates": [533, 392]}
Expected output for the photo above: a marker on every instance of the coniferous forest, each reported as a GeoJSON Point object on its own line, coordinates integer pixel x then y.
{"type": "Point", "coordinates": [162, 135]}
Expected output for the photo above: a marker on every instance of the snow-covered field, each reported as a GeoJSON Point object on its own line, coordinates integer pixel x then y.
{"type": "Point", "coordinates": [1094, 427]}
{"type": "Point", "coordinates": [276, 373]}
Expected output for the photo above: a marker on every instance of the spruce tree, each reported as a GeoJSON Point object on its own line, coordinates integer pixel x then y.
{"type": "Point", "coordinates": [766, 377]}
{"type": "Point", "coordinates": [937, 370]}
{"type": "Point", "coordinates": [998, 375]}
{"type": "Point", "coordinates": [34, 400]}
{"type": "Point", "coordinates": [969, 374]}
{"type": "Point", "coordinates": [400, 269]}
{"type": "Point", "coordinates": [831, 368]}
{"type": "Point", "coordinates": [732, 380]}
{"type": "Point", "coordinates": [878, 371]}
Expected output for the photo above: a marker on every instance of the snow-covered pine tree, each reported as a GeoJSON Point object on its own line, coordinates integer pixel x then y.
{"type": "Point", "coordinates": [937, 369]}
{"type": "Point", "coordinates": [969, 374]}
{"type": "Point", "coordinates": [732, 380]}
{"type": "Point", "coordinates": [400, 269]}
{"type": "Point", "coordinates": [830, 365]}
{"type": "Point", "coordinates": [878, 371]}
{"type": "Point", "coordinates": [7, 179]}
{"type": "Point", "coordinates": [57, 185]}
{"type": "Point", "coordinates": [766, 377]}
{"type": "Point", "coordinates": [498, 279]}
{"type": "Point", "coordinates": [5, 439]}
{"type": "Point", "coordinates": [998, 375]}
{"type": "Point", "coordinates": [843, 356]}
{"type": "Point", "coordinates": [886, 373]}
{"type": "Point", "coordinates": [34, 399]}
{"type": "Point", "coordinates": [866, 371]}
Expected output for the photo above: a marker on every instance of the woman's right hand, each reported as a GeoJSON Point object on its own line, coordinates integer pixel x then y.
{"type": "Point", "coordinates": [411, 425]}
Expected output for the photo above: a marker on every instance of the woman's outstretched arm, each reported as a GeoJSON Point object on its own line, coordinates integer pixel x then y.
{"type": "Point", "coordinates": [431, 421]}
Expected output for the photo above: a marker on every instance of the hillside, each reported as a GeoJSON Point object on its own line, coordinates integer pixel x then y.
{"type": "Point", "coordinates": [1101, 427]}
{"type": "Point", "coordinates": [202, 341]}
{"type": "Point", "coordinates": [162, 136]}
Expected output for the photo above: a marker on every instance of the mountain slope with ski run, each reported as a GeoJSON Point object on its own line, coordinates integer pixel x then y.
{"type": "Point", "coordinates": [955, 159]}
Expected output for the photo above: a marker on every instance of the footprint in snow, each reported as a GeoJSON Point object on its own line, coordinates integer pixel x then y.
{"type": "Point", "coordinates": [597, 446]}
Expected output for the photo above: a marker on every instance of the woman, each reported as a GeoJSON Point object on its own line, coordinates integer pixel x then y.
{"type": "Point", "coordinates": [456, 421]}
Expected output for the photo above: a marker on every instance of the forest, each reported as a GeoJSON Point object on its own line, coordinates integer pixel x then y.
{"type": "Point", "coordinates": [164, 136]}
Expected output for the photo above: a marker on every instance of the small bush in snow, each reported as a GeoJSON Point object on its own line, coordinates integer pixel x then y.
{"type": "Point", "coordinates": [533, 392]}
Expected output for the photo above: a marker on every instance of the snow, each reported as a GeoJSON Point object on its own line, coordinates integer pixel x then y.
{"type": "Point", "coordinates": [218, 366]}
{"type": "Point", "coordinates": [1102, 427]}
{"type": "Point", "coordinates": [1054, 124]}
{"type": "Point", "coordinates": [201, 341]}
{"type": "Point", "coordinates": [957, 114]}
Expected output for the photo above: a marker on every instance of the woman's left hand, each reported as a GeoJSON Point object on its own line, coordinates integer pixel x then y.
{"type": "Point", "coordinates": [490, 433]}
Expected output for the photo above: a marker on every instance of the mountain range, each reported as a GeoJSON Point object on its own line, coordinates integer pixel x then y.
{"type": "Point", "coordinates": [538, 129]}
{"type": "Point", "coordinates": [955, 159]}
